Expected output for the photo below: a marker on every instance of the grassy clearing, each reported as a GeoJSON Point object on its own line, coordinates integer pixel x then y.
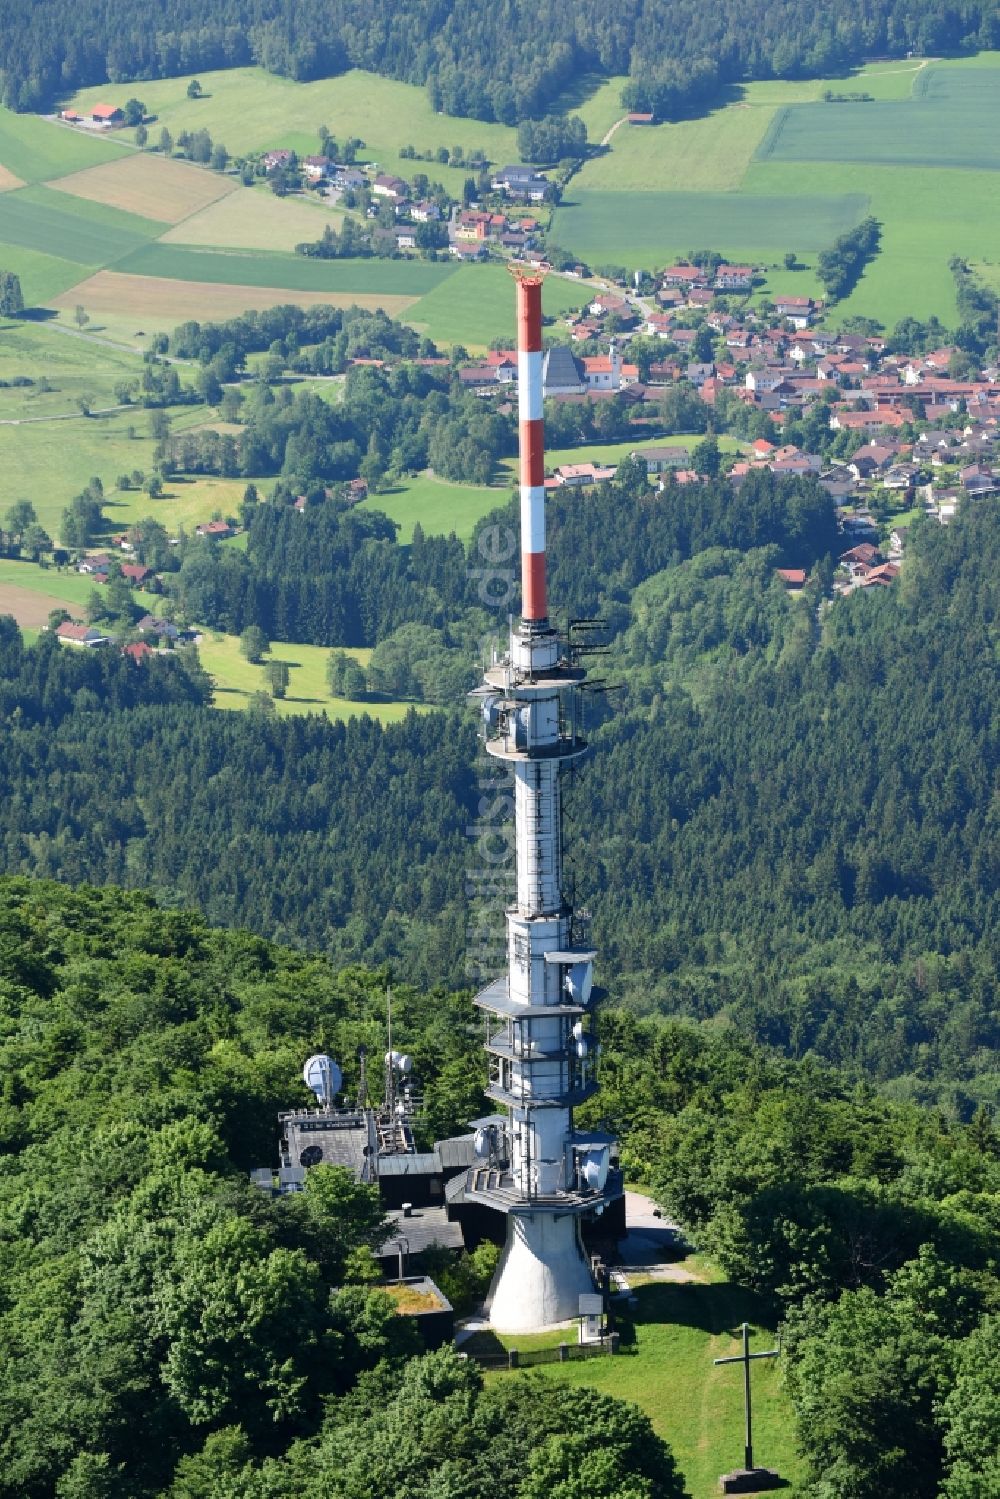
{"type": "Point", "coordinates": [597, 100]}
{"type": "Point", "coordinates": [655, 227]}
{"type": "Point", "coordinates": [185, 503]}
{"type": "Point", "coordinates": [149, 185]}
{"type": "Point", "coordinates": [35, 149]}
{"type": "Point", "coordinates": [236, 680]}
{"type": "Point", "coordinates": [179, 262]}
{"type": "Point", "coordinates": [439, 507]}
{"type": "Point", "coordinates": [666, 1368]}
{"type": "Point", "coordinates": [73, 367]}
{"type": "Point", "coordinates": [256, 220]}
{"type": "Point", "coordinates": [251, 110]}
{"type": "Point", "coordinates": [49, 462]}
{"type": "Point", "coordinates": [126, 304]}
{"type": "Point", "coordinates": [477, 305]}
{"type": "Point", "coordinates": [953, 120]}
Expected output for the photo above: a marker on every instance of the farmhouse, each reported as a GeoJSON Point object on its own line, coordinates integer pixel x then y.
{"type": "Point", "coordinates": [277, 160]}
{"type": "Point", "coordinates": [798, 310]}
{"type": "Point", "coordinates": [393, 188]}
{"type": "Point", "coordinates": [214, 530]}
{"type": "Point", "coordinates": [641, 119]}
{"type": "Point", "coordinates": [107, 114]}
{"type": "Point", "coordinates": [71, 117]}
{"type": "Point", "coordinates": [683, 275]}
{"type": "Point", "coordinates": [658, 460]}
{"type": "Point", "coordinates": [81, 635]}
{"type": "Point", "coordinates": [317, 168]}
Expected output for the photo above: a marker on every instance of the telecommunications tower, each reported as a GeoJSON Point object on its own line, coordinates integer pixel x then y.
{"type": "Point", "coordinates": [532, 1164]}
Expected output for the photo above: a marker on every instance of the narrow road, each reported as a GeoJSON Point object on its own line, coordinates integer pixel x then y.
{"type": "Point", "coordinates": [63, 416]}
{"type": "Point", "coordinates": [606, 141]}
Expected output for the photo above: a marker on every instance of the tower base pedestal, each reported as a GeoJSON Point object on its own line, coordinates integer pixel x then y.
{"type": "Point", "coordinates": [541, 1275]}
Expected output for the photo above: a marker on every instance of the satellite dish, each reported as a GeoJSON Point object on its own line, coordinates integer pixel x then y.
{"type": "Point", "coordinates": [578, 1031]}
{"type": "Point", "coordinates": [491, 711]}
{"type": "Point", "coordinates": [594, 1168]}
{"type": "Point", "coordinates": [580, 982]}
{"type": "Point", "coordinates": [311, 1156]}
{"type": "Point", "coordinates": [404, 1064]}
{"type": "Point", "coordinates": [324, 1077]}
{"type": "Point", "coordinates": [483, 1140]}
{"type": "Point", "coordinates": [582, 1047]}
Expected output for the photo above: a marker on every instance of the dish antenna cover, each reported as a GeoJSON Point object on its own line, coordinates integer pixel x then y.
{"type": "Point", "coordinates": [400, 1061]}
{"type": "Point", "coordinates": [594, 1168]}
{"type": "Point", "coordinates": [482, 1140]}
{"type": "Point", "coordinates": [491, 711]}
{"type": "Point", "coordinates": [580, 982]}
{"type": "Point", "coordinates": [323, 1076]}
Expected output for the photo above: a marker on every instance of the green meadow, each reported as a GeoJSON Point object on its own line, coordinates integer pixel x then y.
{"type": "Point", "coordinates": [662, 225]}
{"type": "Point", "coordinates": [89, 234]}
{"type": "Point", "coordinates": [236, 680]}
{"type": "Point", "coordinates": [252, 111]}
{"type": "Point", "coordinates": [255, 268]}
{"type": "Point", "coordinates": [57, 586]}
{"type": "Point", "coordinates": [438, 506]}
{"type": "Point", "coordinates": [665, 1367]}
{"type": "Point", "coordinates": [42, 276]}
{"type": "Point", "coordinates": [773, 168]}
{"type": "Point", "coordinates": [952, 120]}
{"type": "Point", "coordinates": [37, 150]}
{"type": "Point", "coordinates": [476, 305]}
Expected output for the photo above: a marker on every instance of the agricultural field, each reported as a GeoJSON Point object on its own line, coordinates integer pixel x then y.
{"type": "Point", "coordinates": [30, 592]}
{"type": "Point", "coordinates": [777, 169]}
{"type": "Point", "coordinates": [662, 225]}
{"type": "Point", "coordinates": [36, 218]}
{"type": "Point", "coordinates": [181, 263]}
{"type": "Point", "coordinates": [255, 220]}
{"type": "Point", "coordinates": [666, 1368]}
{"type": "Point", "coordinates": [251, 111]}
{"type": "Point", "coordinates": [951, 120]}
{"type": "Point", "coordinates": [236, 680]}
{"type": "Point", "coordinates": [476, 305]}
{"type": "Point", "coordinates": [439, 506]}
{"type": "Point", "coordinates": [36, 150]}
{"type": "Point", "coordinates": [124, 305]}
{"type": "Point", "coordinates": [149, 185]}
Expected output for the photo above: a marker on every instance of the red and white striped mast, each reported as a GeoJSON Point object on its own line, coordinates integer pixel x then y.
{"type": "Point", "coordinates": [534, 605]}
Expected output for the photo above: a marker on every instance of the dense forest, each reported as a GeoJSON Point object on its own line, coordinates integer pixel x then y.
{"type": "Point", "coordinates": [169, 1332]}
{"type": "Point", "coordinates": [507, 63]}
{"type": "Point", "coordinates": [788, 818]}
{"type": "Point", "coordinates": [166, 1328]}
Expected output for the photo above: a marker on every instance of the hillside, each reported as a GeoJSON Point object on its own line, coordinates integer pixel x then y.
{"type": "Point", "coordinates": [506, 64]}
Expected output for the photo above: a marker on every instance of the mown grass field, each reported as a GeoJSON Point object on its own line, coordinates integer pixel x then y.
{"type": "Point", "coordinates": [250, 111]}
{"type": "Point", "coordinates": [124, 306]}
{"type": "Point", "coordinates": [36, 150]}
{"type": "Point", "coordinates": [663, 225]}
{"type": "Point", "coordinates": [408, 278]}
{"type": "Point", "coordinates": [236, 680]}
{"type": "Point", "coordinates": [88, 233]}
{"type": "Point", "coordinates": [952, 120]}
{"type": "Point", "coordinates": [256, 220]}
{"type": "Point", "coordinates": [476, 304]}
{"type": "Point", "coordinates": [439, 507]}
{"type": "Point", "coordinates": [666, 1368]}
{"type": "Point", "coordinates": [148, 184]}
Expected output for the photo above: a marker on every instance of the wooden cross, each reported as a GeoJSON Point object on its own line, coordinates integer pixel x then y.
{"type": "Point", "coordinates": [744, 1359]}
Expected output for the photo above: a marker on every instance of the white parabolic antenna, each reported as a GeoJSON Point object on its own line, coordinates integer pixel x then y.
{"type": "Point", "coordinates": [594, 1168]}
{"type": "Point", "coordinates": [400, 1061]}
{"type": "Point", "coordinates": [482, 1141]}
{"type": "Point", "coordinates": [579, 982]}
{"type": "Point", "coordinates": [323, 1076]}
